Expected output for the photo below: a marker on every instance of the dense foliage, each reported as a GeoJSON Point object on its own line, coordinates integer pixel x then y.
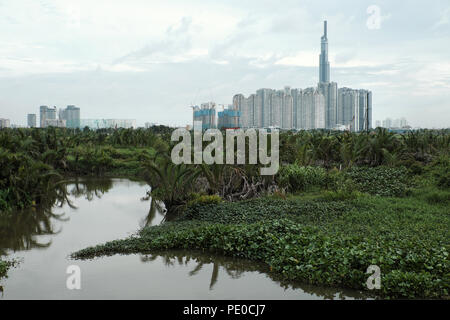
{"type": "Point", "coordinates": [340, 202]}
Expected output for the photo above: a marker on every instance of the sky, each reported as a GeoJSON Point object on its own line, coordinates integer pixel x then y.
{"type": "Point", "coordinates": [151, 60]}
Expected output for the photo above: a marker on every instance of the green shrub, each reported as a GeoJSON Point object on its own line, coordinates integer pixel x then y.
{"type": "Point", "coordinates": [4, 267]}
{"type": "Point", "coordinates": [297, 178]}
{"type": "Point", "coordinates": [380, 181]}
{"type": "Point", "coordinates": [202, 200]}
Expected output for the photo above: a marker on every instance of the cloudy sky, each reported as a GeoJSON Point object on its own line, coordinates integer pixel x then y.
{"type": "Point", "coordinates": [150, 60]}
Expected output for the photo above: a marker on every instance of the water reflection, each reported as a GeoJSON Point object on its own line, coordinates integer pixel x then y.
{"type": "Point", "coordinates": [19, 230]}
{"type": "Point", "coordinates": [97, 211]}
{"type": "Point", "coordinates": [90, 189]}
{"type": "Point", "coordinates": [235, 268]}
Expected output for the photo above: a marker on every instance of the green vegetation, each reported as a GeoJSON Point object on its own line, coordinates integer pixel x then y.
{"type": "Point", "coordinates": [4, 266]}
{"type": "Point", "coordinates": [33, 161]}
{"type": "Point", "coordinates": [340, 202]}
{"type": "Point", "coordinates": [317, 241]}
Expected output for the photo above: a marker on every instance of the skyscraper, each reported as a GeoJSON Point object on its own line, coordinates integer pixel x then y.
{"type": "Point", "coordinates": [324, 69]}
{"type": "Point", "coordinates": [228, 118]}
{"type": "Point", "coordinates": [206, 113]}
{"type": "Point", "coordinates": [330, 93]}
{"type": "Point", "coordinates": [72, 116]}
{"type": "Point", "coordinates": [4, 123]}
{"type": "Point", "coordinates": [46, 113]}
{"type": "Point", "coordinates": [31, 120]}
{"type": "Point", "coordinates": [288, 112]}
{"type": "Point", "coordinates": [321, 107]}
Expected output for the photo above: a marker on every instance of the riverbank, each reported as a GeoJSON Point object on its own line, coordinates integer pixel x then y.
{"type": "Point", "coordinates": [316, 240]}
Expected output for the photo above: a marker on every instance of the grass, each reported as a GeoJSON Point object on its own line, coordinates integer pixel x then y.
{"type": "Point", "coordinates": [317, 240]}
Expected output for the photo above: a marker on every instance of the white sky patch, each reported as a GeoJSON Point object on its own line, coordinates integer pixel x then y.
{"type": "Point", "coordinates": [302, 59]}
{"type": "Point", "coordinates": [232, 46]}
{"type": "Point", "coordinates": [444, 19]}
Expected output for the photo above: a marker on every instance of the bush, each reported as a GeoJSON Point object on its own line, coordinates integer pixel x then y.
{"type": "Point", "coordinates": [202, 200]}
{"type": "Point", "coordinates": [297, 178]}
{"type": "Point", "coordinates": [414, 167]}
{"type": "Point", "coordinates": [380, 181]}
{"type": "Point", "coordinates": [4, 267]}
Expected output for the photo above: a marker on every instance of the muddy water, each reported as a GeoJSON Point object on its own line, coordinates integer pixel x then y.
{"type": "Point", "coordinates": [93, 212]}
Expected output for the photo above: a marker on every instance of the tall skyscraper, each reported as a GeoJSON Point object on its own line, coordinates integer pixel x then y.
{"type": "Point", "coordinates": [324, 69]}
{"type": "Point", "coordinates": [72, 116]}
{"type": "Point", "coordinates": [31, 120]}
{"type": "Point", "coordinates": [321, 107]}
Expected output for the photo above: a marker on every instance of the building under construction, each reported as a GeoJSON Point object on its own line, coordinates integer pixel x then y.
{"type": "Point", "coordinates": [206, 113]}
{"type": "Point", "coordinates": [229, 118]}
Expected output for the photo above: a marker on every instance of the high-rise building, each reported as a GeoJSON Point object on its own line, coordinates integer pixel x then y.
{"type": "Point", "coordinates": [4, 123]}
{"type": "Point", "coordinates": [252, 112]}
{"type": "Point", "coordinates": [263, 104]}
{"type": "Point", "coordinates": [31, 120]}
{"type": "Point", "coordinates": [71, 115]}
{"type": "Point", "coordinates": [276, 103]}
{"type": "Point", "coordinates": [365, 110]}
{"type": "Point", "coordinates": [228, 118]}
{"type": "Point", "coordinates": [324, 67]}
{"type": "Point", "coordinates": [240, 104]}
{"type": "Point", "coordinates": [313, 109]}
{"type": "Point", "coordinates": [206, 113]}
{"type": "Point", "coordinates": [287, 119]}
{"type": "Point", "coordinates": [355, 109]}
{"type": "Point", "coordinates": [46, 113]}
{"type": "Point", "coordinates": [330, 93]}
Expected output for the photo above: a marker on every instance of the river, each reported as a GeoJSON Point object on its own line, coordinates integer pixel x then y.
{"type": "Point", "coordinates": [96, 211]}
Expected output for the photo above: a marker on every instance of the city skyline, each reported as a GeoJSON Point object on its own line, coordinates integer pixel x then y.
{"type": "Point", "coordinates": [117, 67]}
{"type": "Point", "coordinates": [323, 107]}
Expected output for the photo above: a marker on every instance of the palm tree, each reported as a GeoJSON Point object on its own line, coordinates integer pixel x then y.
{"type": "Point", "coordinates": [170, 183]}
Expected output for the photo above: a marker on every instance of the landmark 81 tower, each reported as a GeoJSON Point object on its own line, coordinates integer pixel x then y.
{"type": "Point", "coordinates": [324, 70]}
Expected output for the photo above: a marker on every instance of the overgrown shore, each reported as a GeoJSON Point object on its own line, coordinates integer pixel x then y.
{"type": "Point", "coordinates": [340, 202]}
{"type": "Point", "coordinates": [317, 240]}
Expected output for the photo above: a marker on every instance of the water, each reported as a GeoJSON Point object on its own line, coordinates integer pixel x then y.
{"type": "Point", "coordinates": [103, 210]}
